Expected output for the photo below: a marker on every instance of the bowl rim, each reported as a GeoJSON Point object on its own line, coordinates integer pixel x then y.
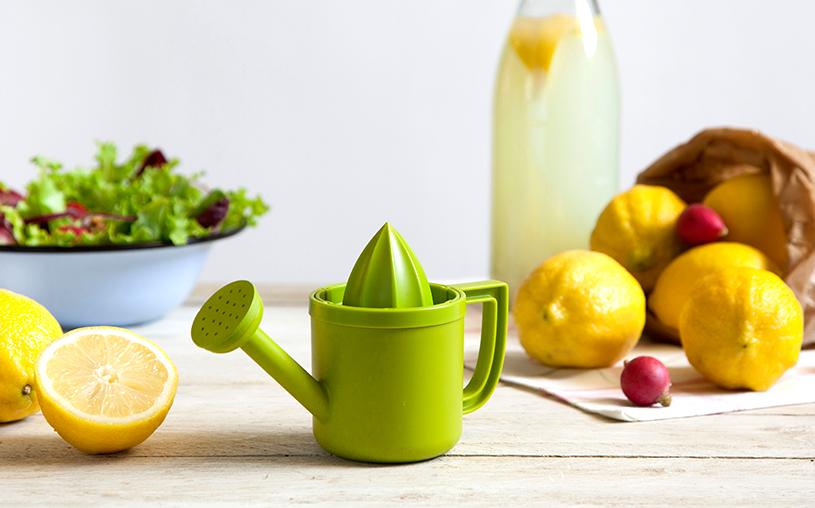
{"type": "Point", "coordinates": [112, 247]}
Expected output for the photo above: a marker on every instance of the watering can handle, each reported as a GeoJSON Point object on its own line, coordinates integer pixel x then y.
{"type": "Point", "coordinates": [493, 295]}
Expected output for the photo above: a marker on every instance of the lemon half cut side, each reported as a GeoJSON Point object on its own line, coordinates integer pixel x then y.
{"type": "Point", "coordinates": [105, 389]}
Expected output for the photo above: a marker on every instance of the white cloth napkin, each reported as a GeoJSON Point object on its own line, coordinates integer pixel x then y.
{"type": "Point", "coordinates": [598, 390]}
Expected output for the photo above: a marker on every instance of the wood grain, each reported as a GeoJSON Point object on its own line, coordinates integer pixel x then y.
{"type": "Point", "coordinates": [447, 481]}
{"type": "Point", "coordinates": [235, 437]}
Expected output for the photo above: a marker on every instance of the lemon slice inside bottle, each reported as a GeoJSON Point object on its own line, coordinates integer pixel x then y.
{"type": "Point", "coordinates": [535, 39]}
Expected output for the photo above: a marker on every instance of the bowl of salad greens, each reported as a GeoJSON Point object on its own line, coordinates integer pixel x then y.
{"type": "Point", "coordinates": [119, 243]}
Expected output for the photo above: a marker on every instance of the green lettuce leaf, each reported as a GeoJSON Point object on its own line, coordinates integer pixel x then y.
{"type": "Point", "coordinates": [125, 207]}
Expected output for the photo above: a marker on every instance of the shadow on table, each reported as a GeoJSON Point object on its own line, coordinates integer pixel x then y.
{"type": "Point", "coordinates": [519, 364]}
{"type": "Point", "coordinates": [217, 447]}
{"type": "Point", "coordinates": [276, 445]}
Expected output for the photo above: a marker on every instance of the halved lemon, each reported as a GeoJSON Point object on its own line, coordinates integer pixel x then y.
{"type": "Point", "coordinates": [105, 389]}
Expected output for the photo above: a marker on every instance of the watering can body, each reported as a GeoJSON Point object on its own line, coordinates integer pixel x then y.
{"type": "Point", "coordinates": [387, 355]}
{"type": "Point", "coordinates": [387, 384]}
{"type": "Point", "coordinates": [395, 392]}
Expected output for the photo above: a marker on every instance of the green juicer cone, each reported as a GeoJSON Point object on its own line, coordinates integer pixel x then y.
{"type": "Point", "coordinates": [387, 275]}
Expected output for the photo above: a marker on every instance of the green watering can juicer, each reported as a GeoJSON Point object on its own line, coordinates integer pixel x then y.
{"type": "Point", "coordinates": [387, 353]}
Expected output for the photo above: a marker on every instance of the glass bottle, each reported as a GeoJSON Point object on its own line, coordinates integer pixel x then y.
{"type": "Point", "coordinates": [555, 134]}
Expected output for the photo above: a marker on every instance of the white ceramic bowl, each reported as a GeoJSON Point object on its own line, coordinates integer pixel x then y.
{"type": "Point", "coordinates": [109, 284]}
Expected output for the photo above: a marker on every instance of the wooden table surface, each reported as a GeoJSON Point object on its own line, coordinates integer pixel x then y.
{"type": "Point", "coordinates": [235, 437]}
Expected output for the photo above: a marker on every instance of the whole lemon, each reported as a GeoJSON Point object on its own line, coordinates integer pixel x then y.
{"type": "Point", "coordinates": [750, 209]}
{"type": "Point", "coordinates": [742, 328]}
{"type": "Point", "coordinates": [638, 229]}
{"type": "Point", "coordinates": [675, 283]}
{"type": "Point", "coordinates": [26, 327]}
{"type": "Point", "coordinates": [579, 309]}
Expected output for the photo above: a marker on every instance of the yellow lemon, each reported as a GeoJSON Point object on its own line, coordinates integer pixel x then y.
{"type": "Point", "coordinates": [26, 327]}
{"type": "Point", "coordinates": [536, 39]}
{"type": "Point", "coordinates": [742, 328]}
{"type": "Point", "coordinates": [579, 309]}
{"type": "Point", "coordinates": [750, 210]}
{"type": "Point", "coordinates": [638, 229]}
{"type": "Point", "coordinates": [674, 285]}
{"type": "Point", "coordinates": [105, 389]}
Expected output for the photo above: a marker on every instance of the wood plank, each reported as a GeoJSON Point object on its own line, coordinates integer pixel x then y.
{"type": "Point", "coordinates": [227, 394]}
{"type": "Point", "coordinates": [449, 481]}
{"type": "Point", "coordinates": [219, 420]}
{"type": "Point", "coordinates": [234, 436]}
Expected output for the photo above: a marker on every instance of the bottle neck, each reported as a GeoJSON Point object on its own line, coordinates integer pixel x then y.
{"type": "Point", "coordinates": [541, 8]}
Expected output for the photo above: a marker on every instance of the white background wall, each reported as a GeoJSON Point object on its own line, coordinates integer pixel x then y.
{"type": "Point", "coordinates": [345, 113]}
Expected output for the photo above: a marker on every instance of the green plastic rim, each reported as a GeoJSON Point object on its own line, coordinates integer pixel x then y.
{"type": "Point", "coordinates": [325, 304]}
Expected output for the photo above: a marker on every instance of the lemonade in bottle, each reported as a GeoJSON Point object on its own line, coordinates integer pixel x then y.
{"type": "Point", "coordinates": [555, 134]}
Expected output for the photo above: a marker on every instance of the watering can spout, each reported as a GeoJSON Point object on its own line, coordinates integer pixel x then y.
{"type": "Point", "coordinates": [291, 376]}
{"type": "Point", "coordinates": [230, 319]}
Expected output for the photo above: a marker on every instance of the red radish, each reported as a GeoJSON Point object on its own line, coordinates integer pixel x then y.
{"type": "Point", "coordinates": [700, 224]}
{"type": "Point", "coordinates": [646, 381]}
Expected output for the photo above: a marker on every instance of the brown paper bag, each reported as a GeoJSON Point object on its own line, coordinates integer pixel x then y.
{"type": "Point", "coordinates": [715, 155]}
